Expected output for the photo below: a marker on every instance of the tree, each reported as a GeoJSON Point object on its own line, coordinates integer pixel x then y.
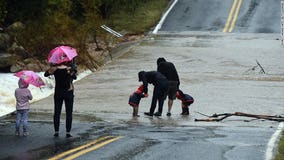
{"type": "Point", "coordinates": [27, 10]}
{"type": "Point", "coordinates": [3, 11]}
{"type": "Point", "coordinates": [54, 27]}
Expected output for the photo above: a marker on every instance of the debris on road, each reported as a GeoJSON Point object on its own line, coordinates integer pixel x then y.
{"type": "Point", "coordinates": [219, 117]}
{"type": "Point", "coordinates": [254, 68]}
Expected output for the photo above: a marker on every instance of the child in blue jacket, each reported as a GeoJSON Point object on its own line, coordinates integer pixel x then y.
{"type": "Point", "coordinates": [186, 101]}
{"type": "Point", "coordinates": [135, 98]}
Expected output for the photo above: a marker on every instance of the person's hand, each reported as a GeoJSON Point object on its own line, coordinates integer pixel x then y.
{"type": "Point", "coordinates": [146, 95]}
{"type": "Point", "coordinates": [69, 70]}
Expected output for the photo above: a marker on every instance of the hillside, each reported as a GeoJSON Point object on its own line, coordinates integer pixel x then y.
{"type": "Point", "coordinates": [30, 29]}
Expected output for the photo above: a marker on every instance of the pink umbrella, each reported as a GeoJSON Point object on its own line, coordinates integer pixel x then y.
{"type": "Point", "coordinates": [61, 54]}
{"type": "Point", "coordinates": [30, 77]}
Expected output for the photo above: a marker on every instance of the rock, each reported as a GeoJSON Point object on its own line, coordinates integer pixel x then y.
{"type": "Point", "coordinates": [29, 64]}
{"type": "Point", "coordinates": [5, 41]}
{"type": "Point", "coordinates": [34, 64]}
{"type": "Point", "coordinates": [13, 28]}
{"type": "Point", "coordinates": [16, 67]}
{"type": "Point", "coordinates": [18, 50]}
{"type": "Point", "coordinates": [7, 60]}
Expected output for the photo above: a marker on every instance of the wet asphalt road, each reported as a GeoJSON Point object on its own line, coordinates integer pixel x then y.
{"type": "Point", "coordinates": [255, 16]}
{"type": "Point", "coordinates": [215, 68]}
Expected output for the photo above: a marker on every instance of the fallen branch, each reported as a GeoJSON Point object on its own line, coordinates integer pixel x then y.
{"type": "Point", "coordinates": [219, 117]}
{"type": "Point", "coordinates": [254, 69]}
{"type": "Point", "coordinates": [202, 114]}
{"type": "Point", "coordinates": [262, 70]}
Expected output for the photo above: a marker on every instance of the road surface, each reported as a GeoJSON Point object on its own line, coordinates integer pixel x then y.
{"type": "Point", "coordinates": [252, 16]}
{"type": "Point", "coordinates": [218, 69]}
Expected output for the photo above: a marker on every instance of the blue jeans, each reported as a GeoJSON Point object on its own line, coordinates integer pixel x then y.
{"type": "Point", "coordinates": [22, 118]}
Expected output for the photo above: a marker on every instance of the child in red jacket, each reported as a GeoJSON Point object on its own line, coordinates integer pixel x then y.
{"type": "Point", "coordinates": [135, 98]}
{"type": "Point", "coordinates": [186, 101]}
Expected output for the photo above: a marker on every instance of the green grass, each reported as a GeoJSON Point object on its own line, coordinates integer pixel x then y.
{"type": "Point", "coordinates": [280, 153]}
{"type": "Point", "coordinates": [143, 19]}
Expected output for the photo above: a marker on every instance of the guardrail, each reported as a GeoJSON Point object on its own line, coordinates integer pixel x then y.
{"type": "Point", "coordinates": [282, 22]}
{"type": "Point", "coordinates": [111, 31]}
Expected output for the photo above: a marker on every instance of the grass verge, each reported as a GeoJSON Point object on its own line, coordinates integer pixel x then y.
{"type": "Point", "coordinates": [280, 153]}
{"type": "Point", "coordinates": [142, 19]}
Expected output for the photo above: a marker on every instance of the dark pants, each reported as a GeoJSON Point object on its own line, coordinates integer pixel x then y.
{"type": "Point", "coordinates": [68, 98]}
{"type": "Point", "coordinates": [159, 94]}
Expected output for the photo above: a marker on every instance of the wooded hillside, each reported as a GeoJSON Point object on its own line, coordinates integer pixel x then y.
{"type": "Point", "coordinates": [40, 25]}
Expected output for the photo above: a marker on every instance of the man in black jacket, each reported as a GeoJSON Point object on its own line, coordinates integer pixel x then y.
{"type": "Point", "coordinates": [160, 83]}
{"type": "Point", "coordinates": [168, 69]}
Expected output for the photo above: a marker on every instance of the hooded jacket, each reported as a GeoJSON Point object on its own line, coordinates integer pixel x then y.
{"type": "Point", "coordinates": [134, 98]}
{"type": "Point", "coordinates": [152, 77]}
{"type": "Point", "coordinates": [168, 69]}
{"type": "Point", "coordinates": [185, 98]}
{"type": "Point", "coordinates": [23, 95]}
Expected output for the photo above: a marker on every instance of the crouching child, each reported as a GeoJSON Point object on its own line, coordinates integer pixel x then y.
{"type": "Point", "coordinates": [186, 101]}
{"type": "Point", "coordinates": [135, 98]}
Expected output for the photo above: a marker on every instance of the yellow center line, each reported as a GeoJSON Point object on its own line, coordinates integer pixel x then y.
{"type": "Point", "coordinates": [233, 15]}
{"type": "Point", "coordinates": [78, 148]}
{"type": "Point", "coordinates": [91, 148]}
{"type": "Point", "coordinates": [236, 16]}
{"type": "Point", "coordinates": [230, 16]}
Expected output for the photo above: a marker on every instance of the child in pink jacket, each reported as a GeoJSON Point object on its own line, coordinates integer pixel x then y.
{"type": "Point", "coordinates": [22, 95]}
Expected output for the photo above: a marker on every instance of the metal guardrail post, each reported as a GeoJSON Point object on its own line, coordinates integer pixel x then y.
{"type": "Point", "coordinates": [111, 31]}
{"type": "Point", "coordinates": [282, 22]}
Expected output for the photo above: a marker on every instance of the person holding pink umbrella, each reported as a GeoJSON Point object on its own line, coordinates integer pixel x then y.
{"type": "Point", "coordinates": [61, 54]}
{"type": "Point", "coordinates": [22, 95]}
{"type": "Point", "coordinates": [30, 77]}
{"type": "Point", "coordinates": [64, 89]}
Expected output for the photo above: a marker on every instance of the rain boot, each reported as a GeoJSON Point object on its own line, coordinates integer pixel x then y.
{"type": "Point", "coordinates": [183, 111]}
{"type": "Point", "coordinates": [186, 111]}
{"type": "Point", "coordinates": [135, 112]}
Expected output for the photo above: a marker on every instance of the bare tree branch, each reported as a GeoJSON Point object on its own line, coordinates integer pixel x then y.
{"type": "Point", "coordinates": [262, 70]}
{"type": "Point", "coordinates": [219, 117]}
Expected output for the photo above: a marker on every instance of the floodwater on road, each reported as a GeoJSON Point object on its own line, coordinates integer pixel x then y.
{"type": "Point", "coordinates": [218, 70]}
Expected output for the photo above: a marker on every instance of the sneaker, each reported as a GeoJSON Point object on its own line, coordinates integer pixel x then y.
{"type": "Point", "coordinates": [68, 135]}
{"type": "Point", "coordinates": [185, 113]}
{"type": "Point", "coordinates": [136, 115]}
{"type": "Point", "coordinates": [157, 114]}
{"type": "Point", "coordinates": [169, 114]}
{"type": "Point", "coordinates": [26, 134]}
{"type": "Point", "coordinates": [56, 134]}
{"type": "Point", "coordinates": [148, 114]}
{"type": "Point", "coordinates": [17, 133]}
